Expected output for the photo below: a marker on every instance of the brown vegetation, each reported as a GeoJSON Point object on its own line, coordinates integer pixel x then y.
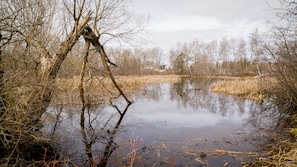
{"type": "Point", "coordinates": [251, 88]}
{"type": "Point", "coordinates": [284, 153]}
{"type": "Point", "coordinates": [100, 87]}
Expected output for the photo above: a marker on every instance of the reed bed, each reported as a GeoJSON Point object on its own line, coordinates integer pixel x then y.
{"type": "Point", "coordinates": [98, 88]}
{"type": "Point", "coordinates": [251, 88]}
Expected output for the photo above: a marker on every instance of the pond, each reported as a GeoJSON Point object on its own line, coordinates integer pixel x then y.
{"type": "Point", "coordinates": [179, 124]}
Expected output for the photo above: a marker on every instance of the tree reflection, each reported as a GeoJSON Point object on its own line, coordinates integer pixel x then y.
{"type": "Point", "coordinates": [111, 146]}
{"type": "Point", "coordinates": [264, 114]}
{"type": "Point", "coordinates": [151, 92]}
{"type": "Point", "coordinates": [195, 93]}
{"type": "Point", "coordinates": [94, 131]}
{"type": "Point", "coordinates": [181, 92]}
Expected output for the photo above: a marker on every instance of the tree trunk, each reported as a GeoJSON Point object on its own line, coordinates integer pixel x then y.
{"type": "Point", "coordinates": [40, 99]}
{"type": "Point", "coordinates": [2, 98]}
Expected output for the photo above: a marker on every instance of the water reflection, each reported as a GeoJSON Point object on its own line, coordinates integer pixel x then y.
{"type": "Point", "coordinates": [91, 143]}
{"type": "Point", "coordinates": [168, 124]}
{"type": "Point", "coordinates": [195, 93]}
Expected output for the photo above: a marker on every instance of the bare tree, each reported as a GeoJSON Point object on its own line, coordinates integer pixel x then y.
{"type": "Point", "coordinates": [241, 55]}
{"type": "Point", "coordinates": [256, 49]}
{"type": "Point", "coordinates": [224, 51]}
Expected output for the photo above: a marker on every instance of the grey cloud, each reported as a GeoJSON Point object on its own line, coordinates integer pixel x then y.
{"type": "Point", "coordinates": [225, 10]}
{"type": "Point", "coordinates": [187, 20]}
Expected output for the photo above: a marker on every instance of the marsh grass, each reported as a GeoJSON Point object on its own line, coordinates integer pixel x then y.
{"type": "Point", "coordinates": [283, 153]}
{"type": "Point", "coordinates": [98, 88]}
{"type": "Point", "coordinates": [251, 88]}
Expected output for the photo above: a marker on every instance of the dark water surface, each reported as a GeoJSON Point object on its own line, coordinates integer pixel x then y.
{"type": "Point", "coordinates": [180, 124]}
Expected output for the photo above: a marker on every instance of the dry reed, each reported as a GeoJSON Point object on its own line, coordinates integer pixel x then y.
{"type": "Point", "coordinates": [284, 153]}
{"type": "Point", "coordinates": [98, 88]}
{"type": "Point", "coordinates": [251, 88]}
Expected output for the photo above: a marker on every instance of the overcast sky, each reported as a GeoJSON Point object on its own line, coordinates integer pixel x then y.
{"type": "Point", "coordinates": [172, 21]}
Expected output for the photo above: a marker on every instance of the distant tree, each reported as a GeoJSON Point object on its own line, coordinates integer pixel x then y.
{"type": "Point", "coordinates": [256, 50]}
{"type": "Point", "coordinates": [241, 55]}
{"type": "Point", "coordinates": [178, 62]}
{"type": "Point", "coordinates": [224, 52]}
{"type": "Point", "coordinates": [130, 64]}
{"type": "Point", "coordinates": [157, 56]}
{"type": "Point", "coordinates": [202, 54]}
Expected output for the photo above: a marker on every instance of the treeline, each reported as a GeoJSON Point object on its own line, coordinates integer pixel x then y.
{"type": "Point", "coordinates": [236, 57]}
{"type": "Point", "coordinates": [228, 56]}
{"type": "Point", "coordinates": [127, 61]}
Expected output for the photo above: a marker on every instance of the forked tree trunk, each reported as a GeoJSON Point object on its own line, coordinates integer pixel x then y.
{"type": "Point", "coordinates": [40, 99]}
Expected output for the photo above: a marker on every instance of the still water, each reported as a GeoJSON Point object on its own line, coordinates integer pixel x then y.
{"type": "Point", "coordinates": [179, 124]}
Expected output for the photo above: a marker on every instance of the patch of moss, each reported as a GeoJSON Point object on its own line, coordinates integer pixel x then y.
{"type": "Point", "coordinates": [293, 132]}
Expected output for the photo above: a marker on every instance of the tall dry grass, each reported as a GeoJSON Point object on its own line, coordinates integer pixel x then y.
{"type": "Point", "coordinates": [283, 153]}
{"type": "Point", "coordinates": [98, 88]}
{"type": "Point", "coordinates": [251, 88]}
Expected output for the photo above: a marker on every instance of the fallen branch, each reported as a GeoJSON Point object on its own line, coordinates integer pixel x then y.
{"type": "Point", "coordinates": [218, 152]}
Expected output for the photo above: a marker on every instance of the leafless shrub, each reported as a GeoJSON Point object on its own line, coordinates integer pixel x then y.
{"type": "Point", "coordinates": [282, 47]}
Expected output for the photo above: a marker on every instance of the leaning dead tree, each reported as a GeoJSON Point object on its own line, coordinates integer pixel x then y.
{"type": "Point", "coordinates": [41, 98]}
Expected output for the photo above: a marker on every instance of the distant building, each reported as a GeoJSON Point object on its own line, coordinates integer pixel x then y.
{"type": "Point", "coordinates": [162, 68]}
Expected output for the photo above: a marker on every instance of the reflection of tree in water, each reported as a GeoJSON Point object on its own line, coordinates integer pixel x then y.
{"type": "Point", "coordinates": [263, 115]}
{"type": "Point", "coordinates": [195, 93]}
{"type": "Point", "coordinates": [151, 92]}
{"type": "Point", "coordinates": [191, 92]}
{"type": "Point", "coordinates": [93, 144]}
{"type": "Point", "coordinates": [264, 118]}
{"type": "Point", "coordinates": [111, 145]}
{"type": "Point", "coordinates": [180, 91]}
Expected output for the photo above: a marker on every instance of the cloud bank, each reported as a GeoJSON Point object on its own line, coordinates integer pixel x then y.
{"type": "Point", "coordinates": [186, 20]}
